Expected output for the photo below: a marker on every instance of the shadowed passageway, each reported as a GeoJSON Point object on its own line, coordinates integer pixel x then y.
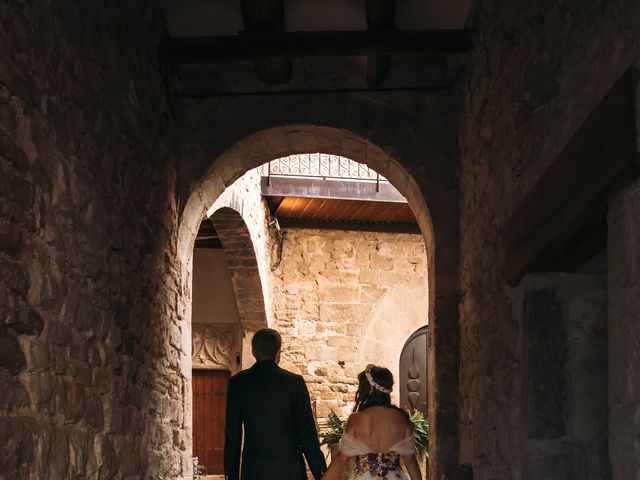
{"type": "Point", "coordinates": [132, 254]}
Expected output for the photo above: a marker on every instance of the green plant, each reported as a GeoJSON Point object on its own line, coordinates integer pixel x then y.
{"type": "Point", "coordinates": [333, 430]}
{"type": "Point", "coordinates": [420, 425]}
{"type": "Point", "coordinates": [199, 470]}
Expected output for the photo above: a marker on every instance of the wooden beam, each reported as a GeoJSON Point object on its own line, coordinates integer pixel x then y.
{"type": "Point", "coordinates": [349, 226]}
{"type": "Point", "coordinates": [381, 15]}
{"type": "Point", "coordinates": [561, 222]}
{"type": "Point", "coordinates": [256, 46]}
{"type": "Point", "coordinates": [267, 16]}
{"type": "Point", "coordinates": [332, 189]}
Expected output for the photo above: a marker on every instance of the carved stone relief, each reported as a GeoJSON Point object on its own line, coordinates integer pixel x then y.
{"type": "Point", "coordinates": [217, 346]}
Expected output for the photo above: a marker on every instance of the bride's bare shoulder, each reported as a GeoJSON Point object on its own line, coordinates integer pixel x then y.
{"type": "Point", "coordinates": [355, 418]}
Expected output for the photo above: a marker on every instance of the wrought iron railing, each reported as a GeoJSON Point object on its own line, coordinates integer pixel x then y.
{"type": "Point", "coordinates": [321, 165]}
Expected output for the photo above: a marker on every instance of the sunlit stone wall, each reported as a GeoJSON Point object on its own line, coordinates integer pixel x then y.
{"type": "Point", "coordinates": [343, 299]}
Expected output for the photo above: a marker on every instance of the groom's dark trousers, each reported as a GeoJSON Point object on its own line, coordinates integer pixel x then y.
{"type": "Point", "coordinates": [274, 407]}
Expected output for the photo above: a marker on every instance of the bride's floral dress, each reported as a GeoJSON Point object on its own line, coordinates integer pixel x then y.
{"type": "Point", "coordinates": [373, 465]}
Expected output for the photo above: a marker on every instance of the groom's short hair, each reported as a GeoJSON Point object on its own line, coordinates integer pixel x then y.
{"type": "Point", "coordinates": [266, 343]}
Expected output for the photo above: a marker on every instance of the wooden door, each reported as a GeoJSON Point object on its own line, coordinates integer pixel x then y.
{"type": "Point", "coordinates": [209, 405]}
{"type": "Point", "coordinates": [413, 372]}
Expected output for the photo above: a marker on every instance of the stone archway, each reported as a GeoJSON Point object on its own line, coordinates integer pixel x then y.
{"type": "Point", "coordinates": [265, 145]}
{"type": "Point", "coordinates": [243, 266]}
{"type": "Point", "coordinates": [259, 147]}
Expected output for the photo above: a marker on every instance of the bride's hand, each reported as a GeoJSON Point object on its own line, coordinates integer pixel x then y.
{"type": "Point", "coordinates": [335, 468]}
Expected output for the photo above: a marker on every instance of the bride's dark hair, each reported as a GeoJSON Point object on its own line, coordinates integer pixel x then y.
{"type": "Point", "coordinates": [369, 396]}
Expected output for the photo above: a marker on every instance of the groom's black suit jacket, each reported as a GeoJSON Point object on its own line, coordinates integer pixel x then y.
{"type": "Point", "coordinates": [274, 406]}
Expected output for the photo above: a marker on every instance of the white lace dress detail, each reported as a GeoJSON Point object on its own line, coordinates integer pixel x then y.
{"type": "Point", "coordinates": [372, 465]}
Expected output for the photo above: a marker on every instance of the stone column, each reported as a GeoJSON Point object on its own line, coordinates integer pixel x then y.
{"type": "Point", "coordinates": [624, 333]}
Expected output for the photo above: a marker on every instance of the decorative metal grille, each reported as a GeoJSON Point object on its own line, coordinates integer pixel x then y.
{"type": "Point", "coordinates": [320, 165]}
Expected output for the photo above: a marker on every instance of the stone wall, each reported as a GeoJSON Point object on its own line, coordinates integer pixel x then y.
{"type": "Point", "coordinates": [538, 70]}
{"type": "Point", "coordinates": [343, 299]}
{"type": "Point", "coordinates": [624, 350]}
{"type": "Point", "coordinates": [90, 346]}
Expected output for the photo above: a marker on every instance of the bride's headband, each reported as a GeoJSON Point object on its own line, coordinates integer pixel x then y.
{"type": "Point", "coordinates": [372, 382]}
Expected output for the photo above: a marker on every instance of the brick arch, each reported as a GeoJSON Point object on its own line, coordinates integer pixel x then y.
{"type": "Point", "coordinates": [243, 267]}
{"type": "Point", "coordinates": [439, 227]}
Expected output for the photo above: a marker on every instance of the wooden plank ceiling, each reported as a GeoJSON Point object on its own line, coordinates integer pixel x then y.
{"type": "Point", "coordinates": [340, 210]}
{"type": "Point", "coordinates": [337, 204]}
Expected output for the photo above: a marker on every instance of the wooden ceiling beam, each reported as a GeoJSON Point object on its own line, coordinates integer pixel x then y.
{"type": "Point", "coordinates": [267, 16]}
{"type": "Point", "coordinates": [258, 46]}
{"type": "Point", "coordinates": [348, 225]}
{"type": "Point", "coordinates": [381, 15]}
{"type": "Point", "coordinates": [332, 189]}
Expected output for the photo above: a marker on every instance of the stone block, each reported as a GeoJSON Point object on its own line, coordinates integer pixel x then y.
{"type": "Point", "coordinates": [340, 342]}
{"type": "Point", "coordinates": [58, 333]}
{"type": "Point", "coordinates": [313, 352]}
{"type": "Point", "coordinates": [324, 407]}
{"type": "Point", "coordinates": [17, 190]}
{"type": "Point", "coordinates": [175, 335]}
{"type": "Point", "coordinates": [380, 262]}
{"type": "Point", "coordinates": [341, 313]}
{"type": "Point", "coordinates": [371, 294]}
{"type": "Point", "coordinates": [85, 316]}
{"type": "Point", "coordinates": [93, 415]}
{"type": "Point", "coordinates": [417, 259]}
{"type": "Point", "coordinates": [113, 416]}
{"type": "Point", "coordinates": [106, 460]}
{"type": "Point", "coordinates": [344, 294]}
{"type": "Point", "coordinates": [41, 387]}
{"type": "Point", "coordinates": [20, 317]}
{"type": "Point", "coordinates": [70, 400]}
{"type": "Point", "coordinates": [314, 244]}
{"type": "Point", "coordinates": [13, 394]}
{"type": "Point", "coordinates": [38, 355]}
{"type": "Point", "coordinates": [305, 327]}
{"type": "Point", "coordinates": [369, 277]}
{"type": "Point", "coordinates": [391, 278]}
{"type": "Point", "coordinates": [14, 277]}
{"type": "Point", "coordinates": [354, 329]}
{"type": "Point", "coordinates": [346, 354]}
{"type": "Point", "coordinates": [10, 238]}
{"type": "Point", "coordinates": [29, 322]}
{"type": "Point", "coordinates": [80, 446]}
{"type": "Point", "coordinates": [12, 357]}
{"type": "Point", "coordinates": [9, 151]}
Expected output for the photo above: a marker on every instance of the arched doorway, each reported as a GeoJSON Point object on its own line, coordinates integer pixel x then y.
{"type": "Point", "coordinates": [258, 148]}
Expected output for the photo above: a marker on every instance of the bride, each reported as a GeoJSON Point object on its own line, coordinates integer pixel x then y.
{"type": "Point", "coordinates": [377, 434]}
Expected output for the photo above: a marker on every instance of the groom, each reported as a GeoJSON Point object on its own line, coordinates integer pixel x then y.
{"type": "Point", "coordinates": [274, 407]}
